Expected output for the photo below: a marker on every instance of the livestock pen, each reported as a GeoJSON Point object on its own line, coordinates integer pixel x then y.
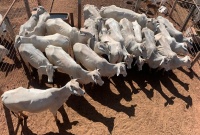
{"type": "Point", "coordinates": [142, 103]}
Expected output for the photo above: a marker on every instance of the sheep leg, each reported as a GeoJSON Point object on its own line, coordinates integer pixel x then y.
{"type": "Point", "coordinates": [55, 115]}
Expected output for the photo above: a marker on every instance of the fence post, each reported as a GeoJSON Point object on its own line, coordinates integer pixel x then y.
{"type": "Point", "coordinates": [71, 19]}
{"type": "Point", "coordinates": [39, 3]}
{"type": "Point", "coordinates": [79, 14]}
{"type": "Point", "coordinates": [137, 5]}
{"type": "Point", "coordinates": [174, 4]}
{"type": "Point", "coordinates": [188, 17]}
{"type": "Point", "coordinates": [28, 11]}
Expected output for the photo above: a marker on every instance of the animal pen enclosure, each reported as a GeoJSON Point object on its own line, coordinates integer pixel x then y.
{"type": "Point", "coordinates": [152, 92]}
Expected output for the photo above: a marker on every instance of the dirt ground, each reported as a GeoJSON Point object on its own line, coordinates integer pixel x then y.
{"type": "Point", "coordinates": [142, 103]}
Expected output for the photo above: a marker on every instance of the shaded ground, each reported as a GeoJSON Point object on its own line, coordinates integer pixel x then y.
{"type": "Point", "coordinates": [141, 103]}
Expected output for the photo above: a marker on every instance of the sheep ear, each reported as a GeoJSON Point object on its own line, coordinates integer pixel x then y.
{"type": "Point", "coordinates": [125, 57]}
{"type": "Point", "coordinates": [18, 39]}
{"type": "Point", "coordinates": [162, 61]}
{"type": "Point", "coordinates": [136, 62]}
{"type": "Point", "coordinates": [73, 91]}
{"type": "Point", "coordinates": [71, 77]}
{"type": "Point", "coordinates": [98, 69]}
{"type": "Point", "coordinates": [133, 56]}
{"type": "Point", "coordinates": [185, 49]}
{"type": "Point", "coordinates": [118, 71]}
{"type": "Point", "coordinates": [77, 79]}
{"type": "Point", "coordinates": [139, 48]}
{"type": "Point", "coordinates": [82, 33]}
{"type": "Point", "coordinates": [101, 47]}
{"type": "Point", "coordinates": [109, 57]}
{"type": "Point", "coordinates": [42, 67]}
{"type": "Point", "coordinates": [93, 78]}
{"type": "Point", "coordinates": [55, 67]}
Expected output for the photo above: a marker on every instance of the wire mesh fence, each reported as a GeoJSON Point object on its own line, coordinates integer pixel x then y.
{"type": "Point", "coordinates": [15, 16]}
{"type": "Point", "coordinates": [184, 10]}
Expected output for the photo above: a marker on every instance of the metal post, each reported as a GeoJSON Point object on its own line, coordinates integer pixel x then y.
{"type": "Point", "coordinates": [79, 14]}
{"type": "Point", "coordinates": [71, 19]}
{"type": "Point", "coordinates": [39, 3]}
{"type": "Point", "coordinates": [51, 6]}
{"type": "Point", "coordinates": [188, 17]}
{"type": "Point", "coordinates": [174, 5]}
{"type": "Point", "coordinates": [28, 11]}
{"type": "Point", "coordinates": [137, 5]}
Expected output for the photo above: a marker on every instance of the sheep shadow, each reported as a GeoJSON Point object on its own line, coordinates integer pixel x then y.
{"type": "Point", "coordinates": [85, 109]}
{"type": "Point", "coordinates": [6, 67]}
{"type": "Point", "coordinates": [119, 83]}
{"type": "Point", "coordinates": [25, 129]}
{"type": "Point", "coordinates": [66, 123]}
{"type": "Point", "coordinates": [173, 76]}
{"type": "Point", "coordinates": [190, 73]}
{"type": "Point", "coordinates": [105, 96]}
{"type": "Point", "coordinates": [155, 78]}
{"type": "Point", "coordinates": [166, 81]}
{"type": "Point", "coordinates": [151, 77]}
{"type": "Point", "coordinates": [154, 81]}
{"type": "Point", "coordinates": [9, 122]}
{"type": "Point", "coordinates": [140, 78]}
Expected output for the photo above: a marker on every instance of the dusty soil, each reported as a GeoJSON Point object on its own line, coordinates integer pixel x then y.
{"type": "Point", "coordinates": [142, 103]}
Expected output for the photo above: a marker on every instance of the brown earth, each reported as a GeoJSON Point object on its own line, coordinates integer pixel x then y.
{"type": "Point", "coordinates": [142, 103]}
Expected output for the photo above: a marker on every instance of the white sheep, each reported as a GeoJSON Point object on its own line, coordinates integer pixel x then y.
{"type": "Point", "coordinates": [59, 26]}
{"type": "Point", "coordinates": [119, 13]}
{"type": "Point", "coordinates": [40, 28]}
{"type": "Point", "coordinates": [41, 42]}
{"type": "Point", "coordinates": [37, 100]}
{"type": "Point", "coordinates": [32, 21]}
{"type": "Point", "coordinates": [91, 11]}
{"type": "Point", "coordinates": [36, 58]}
{"type": "Point", "coordinates": [67, 65]}
{"type": "Point", "coordinates": [91, 61]}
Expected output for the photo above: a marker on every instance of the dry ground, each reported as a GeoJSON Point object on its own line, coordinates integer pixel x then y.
{"type": "Point", "coordinates": [141, 103]}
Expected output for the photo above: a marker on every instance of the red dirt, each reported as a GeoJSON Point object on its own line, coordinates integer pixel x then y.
{"type": "Point", "coordinates": [142, 103]}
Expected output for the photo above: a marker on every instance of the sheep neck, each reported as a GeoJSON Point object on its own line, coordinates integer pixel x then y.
{"type": "Point", "coordinates": [81, 73]}
{"type": "Point", "coordinates": [62, 93]}
{"type": "Point", "coordinates": [107, 69]}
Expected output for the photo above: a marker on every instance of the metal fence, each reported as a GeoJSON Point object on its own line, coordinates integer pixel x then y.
{"type": "Point", "coordinates": [188, 14]}
{"type": "Point", "coordinates": [14, 14]}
